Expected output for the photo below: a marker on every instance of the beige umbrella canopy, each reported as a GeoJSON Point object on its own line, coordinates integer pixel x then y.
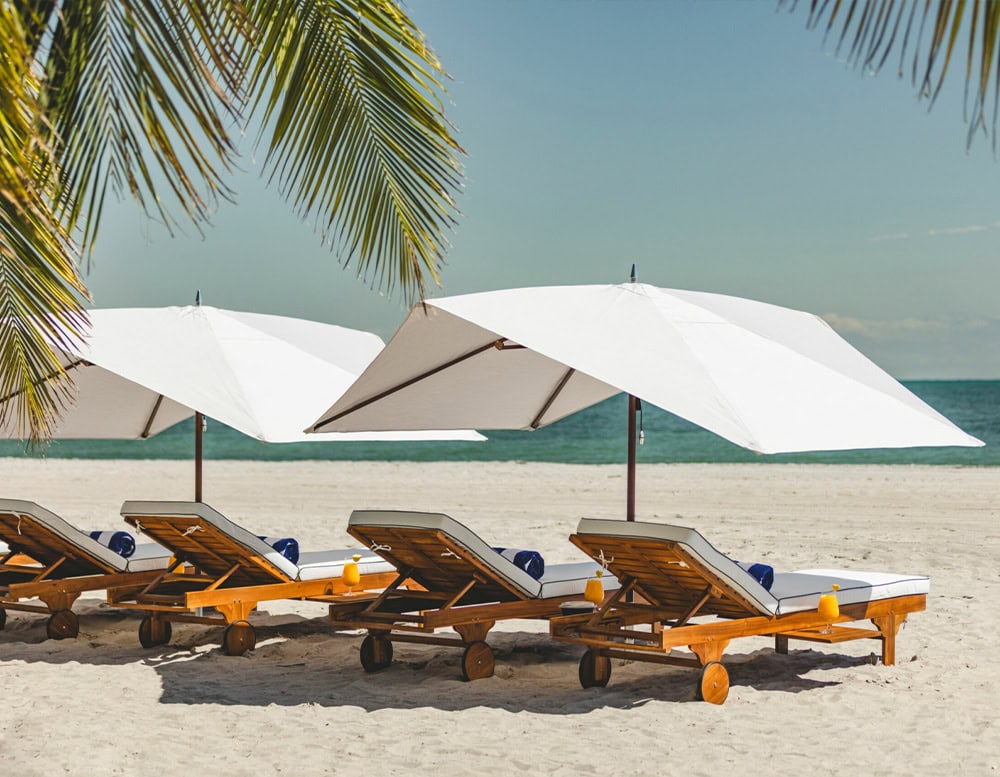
{"type": "Point", "coordinates": [142, 370]}
{"type": "Point", "coordinates": [765, 377]}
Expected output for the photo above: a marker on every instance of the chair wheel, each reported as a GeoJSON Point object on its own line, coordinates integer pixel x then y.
{"type": "Point", "coordinates": [62, 624]}
{"type": "Point", "coordinates": [713, 685]}
{"type": "Point", "coordinates": [477, 661]}
{"type": "Point", "coordinates": [595, 670]}
{"type": "Point", "coordinates": [376, 653]}
{"type": "Point", "coordinates": [238, 638]}
{"type": "Point", "coordinates": [154, 631]}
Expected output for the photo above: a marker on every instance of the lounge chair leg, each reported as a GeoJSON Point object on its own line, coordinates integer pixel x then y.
{"type": "Point", "coordinates": [595, 670]}
{"type": "Point", "coordinates": [62, 624]}
{"type": "Point", "coordinates": [477, 661]}
{"type": "Point", "coordinates": [154, 631]}
{"type": "Point", "coordinates": [781, 644]}
{"type": "Point", "coordinates": [888, 626]}
{"type": "Point", "coordinates": [3, 618]}
{"type": "Point", "coordinates": [238, 638]}
{"type": "Point", "coordinates": [376, 652]}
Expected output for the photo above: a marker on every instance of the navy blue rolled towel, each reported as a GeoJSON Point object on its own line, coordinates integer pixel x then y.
{"type": "Point", "coordinates": [762, 573]}
{"type": "Point", "coordinates": [121, 542]}
{"type": "Point", "coordinates": [530, 561]}
{"type": "Point", "coordinates": [286, 546]}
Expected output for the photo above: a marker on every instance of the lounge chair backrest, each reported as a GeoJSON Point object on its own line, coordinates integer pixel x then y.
{"type": "Point", "coordinates": [441, 554]}
{"type": "Point", "coordinates": [674, 567]}
{"type": "Point", "coordinates": [209, 541]}
{"type": "Point", "coordinates": [31, 529]}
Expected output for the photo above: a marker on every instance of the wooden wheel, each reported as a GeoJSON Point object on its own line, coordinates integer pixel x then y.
{"type": "Point", "coordinates": [154, 631]}
{"type": "Point", "coordinates": [376, 653]}
{"type": "Point", "coordinates": [63, 624]}
{"type": "Point", "coordinates": [595, 670]}
{"type": "Point", "coordinates": [3, 618]}
{"type": "Point", "coordinates": [713, 685]}
{"type": "Point", "coordinates": [238, 638]}
{"type": "Point", "coordinates": [477, 661]}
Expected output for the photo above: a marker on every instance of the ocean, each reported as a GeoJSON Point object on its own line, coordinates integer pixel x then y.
{"type": "Point", "coordinates": [594, 436]}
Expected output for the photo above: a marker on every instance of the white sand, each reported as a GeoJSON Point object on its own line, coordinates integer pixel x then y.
{"type": "Point", "coordinates": [300, 703]}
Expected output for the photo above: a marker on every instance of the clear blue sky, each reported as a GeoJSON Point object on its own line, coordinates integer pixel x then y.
{"type": "Point", "coordinates": [718, 145]}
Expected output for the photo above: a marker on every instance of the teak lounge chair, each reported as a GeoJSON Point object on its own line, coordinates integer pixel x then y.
{"type": "Point", "coordinates": [469, 586]}
{"type": "Point", "coordinates": [48, 560]}
{"type": "Point", "coordinates": [689, 594]}
{"type": "Point", "coordinates": [222, 565]}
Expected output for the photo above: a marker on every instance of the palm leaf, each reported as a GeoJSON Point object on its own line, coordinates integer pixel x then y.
{"type": "Point", "coordinates": [40, 290]}
{"type": "Point", "coordinates": [931, 33]}
{"type": "Point", "coordinates": [359, 144]}
{"type": "Point", "coordinates": [140, 95]}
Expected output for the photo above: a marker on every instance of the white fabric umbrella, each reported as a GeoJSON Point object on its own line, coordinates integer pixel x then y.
{"type": "Point", "coordinates": [765, 377]}
{"type": "Point", "coordinates": [142, 370]}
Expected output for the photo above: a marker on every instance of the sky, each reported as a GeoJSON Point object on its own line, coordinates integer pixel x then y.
{"type": "Point", "coordinates": [719, 145]}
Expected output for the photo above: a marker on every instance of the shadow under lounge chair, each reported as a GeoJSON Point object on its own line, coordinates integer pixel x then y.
{"type": "Point", "coordinates": [468, 587]}
{"type": "Point", "coordinates": [688, 594]}
{"type": "Point", "coordinates": [49, 560]}
{"type": "Point", "coordinates": [219, 564]}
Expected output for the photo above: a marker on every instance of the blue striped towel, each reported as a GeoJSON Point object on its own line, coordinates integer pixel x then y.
{"type": "Point", "coordinates": [286, 546]}
{"type": "Point", "coordinates": [762, 573]}
{"type": "Point", "coordinates": [121, 542]}
{"type": "Point", "coordinates": [530, 561]}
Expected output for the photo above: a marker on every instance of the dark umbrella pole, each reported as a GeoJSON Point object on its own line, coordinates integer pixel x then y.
{"type": "Point", "coordinates": [199, 423]}
{"type": "Point", "coordinates": [630, 476]}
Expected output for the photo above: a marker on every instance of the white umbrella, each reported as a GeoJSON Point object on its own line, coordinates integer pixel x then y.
{"type": "Point", "coordinates": [765, 377]}
{"type": "Point", "coordinates": [142, 370]}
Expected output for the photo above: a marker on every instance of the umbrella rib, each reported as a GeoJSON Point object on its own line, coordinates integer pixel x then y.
{"type": "Point", "coordinates": [152, 417]}
{"type": "Point", "coordinates": [537, 420]}
{"type": "Point", "coordinates": [47, 378]}
{"type": "Point", "coordinates": [498, 344]}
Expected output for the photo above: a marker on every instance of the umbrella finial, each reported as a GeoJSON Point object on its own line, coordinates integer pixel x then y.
{"type": "Point", "coordinates": [633, 272]}
{"type": "Point", "coordinates": [197, 296]}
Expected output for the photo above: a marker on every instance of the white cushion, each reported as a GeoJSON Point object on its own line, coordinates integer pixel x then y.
{"type": "Point", "coordinates": [29, 511]}
{"type": "Point", "coordinates": [723, 566]}
{"type": "Point", "coordinates": [250, 541]}
{"type": "Point", "coordinates": [321, 564]}
{"type": "Point", "coordinates": [571, 579]}
{"type": "Point", "coordinates": [459, 534]}
{"type": "Point", "coordinates": [797, 591]}
{"type": "Point", "coordinates": [790, 592]}
{"type": "Point", "coordinates": [147, 556]}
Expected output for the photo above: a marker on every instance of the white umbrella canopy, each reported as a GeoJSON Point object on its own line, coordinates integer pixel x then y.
{"type": "Point", "coordinates": [765, 377]}
{"type": "Point", "coordinates": [142, 370]}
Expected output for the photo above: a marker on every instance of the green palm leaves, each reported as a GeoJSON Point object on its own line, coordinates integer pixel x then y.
{"type": "Point", "coordinates": [870, 30]}
{"type": "Point", "coordinates": [144, 98]}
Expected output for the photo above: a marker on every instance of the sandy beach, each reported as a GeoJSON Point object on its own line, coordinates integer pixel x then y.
{"type": "Point", "coordinates": [300, 703]}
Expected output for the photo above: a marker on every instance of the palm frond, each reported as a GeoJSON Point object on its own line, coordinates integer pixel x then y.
{"type": "Point", "coordinates": [927, 34]}
{"type": "Point", "coordinates": [359, 143]}
{"type": "Point", "coordinates": [40, 290]}
{"type": "Point", "coordinates": [140, 95]}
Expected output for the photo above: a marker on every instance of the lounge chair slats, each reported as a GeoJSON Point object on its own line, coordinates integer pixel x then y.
{"type": "Point", "coordinates": [469, 586]}
{"type": "Point", "coordinates": [231, 570]}
{"type": "Point", "coordinates": [688, 594]}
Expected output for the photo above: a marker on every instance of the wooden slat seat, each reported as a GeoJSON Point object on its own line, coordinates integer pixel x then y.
{"type": "Point", "coordinates": [683, 592]}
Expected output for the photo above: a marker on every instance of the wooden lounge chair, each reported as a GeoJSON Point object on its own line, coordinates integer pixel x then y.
{"type": "Point", "coordinates": [48, 560]}
{"type": "Point", "coordinates": [218, 564]}
{"type": "Point", "coordinates": [468, 587]}
{"type": "Point", "coordinates": [688, 594]}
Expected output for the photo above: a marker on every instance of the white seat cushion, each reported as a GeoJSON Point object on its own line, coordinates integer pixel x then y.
{"type": "Point", "coordinates": [798, 591]}
{"type": "Point", "coordinates": [571, 579]}
{"type": "Point", "coordinates": [321, 564]}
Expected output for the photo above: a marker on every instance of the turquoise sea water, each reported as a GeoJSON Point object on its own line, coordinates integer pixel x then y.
{"type": "Point", "coordinates": [594, 436]}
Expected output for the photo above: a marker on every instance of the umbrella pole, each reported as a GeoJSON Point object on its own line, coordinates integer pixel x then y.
{"type": "Point", "coordinates": [630, 476]}
{"type": "Point", "coordinates": [198, 422]}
